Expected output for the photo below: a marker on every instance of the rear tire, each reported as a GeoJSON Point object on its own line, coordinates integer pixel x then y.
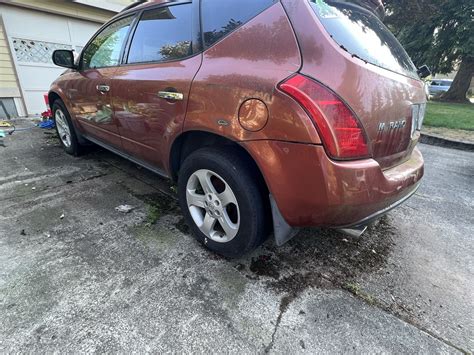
{"type": "Point", "coordinates": [65, 129]}
{"type": "Point", "coordinates": [222, 201]}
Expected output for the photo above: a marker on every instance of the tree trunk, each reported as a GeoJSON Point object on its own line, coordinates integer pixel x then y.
{"type": "Point", "coordinates": [462, 81]}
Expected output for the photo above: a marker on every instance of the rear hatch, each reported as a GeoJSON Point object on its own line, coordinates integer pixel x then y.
{"type": "Point", "coordinates": [348, 49]}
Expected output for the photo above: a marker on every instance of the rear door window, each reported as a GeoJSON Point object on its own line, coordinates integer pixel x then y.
{"type": "Point", "coordinates": [362, 34]}
{"type": "Point", "coordinates": [221, 17]}
{"type": "Point", "coordinates": [163, 34]}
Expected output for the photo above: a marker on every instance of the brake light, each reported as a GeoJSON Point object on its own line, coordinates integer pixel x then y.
{"type": "Point", "coordinates": [340, 131]}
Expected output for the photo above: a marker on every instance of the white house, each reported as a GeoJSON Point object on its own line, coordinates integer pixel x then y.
{"type": "Point", "coordinates": [30, 30]}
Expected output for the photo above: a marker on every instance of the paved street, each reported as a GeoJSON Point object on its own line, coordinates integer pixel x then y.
{"type": "Point", "coordinates": [76, 275]}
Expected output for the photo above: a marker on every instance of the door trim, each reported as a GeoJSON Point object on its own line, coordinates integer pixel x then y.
{"type": "Point", "coordinates": [127, 156]}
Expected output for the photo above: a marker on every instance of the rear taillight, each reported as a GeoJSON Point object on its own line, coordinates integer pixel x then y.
{"type": "Point", "coordinates": [340, 131]}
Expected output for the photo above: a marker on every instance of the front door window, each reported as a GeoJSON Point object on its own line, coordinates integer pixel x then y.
{"type": "Point", "coordinates": [106, 48]}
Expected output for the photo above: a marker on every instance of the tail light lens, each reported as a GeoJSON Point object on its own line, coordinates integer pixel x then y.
{"type": "Point", "coordinates": [340, 131]}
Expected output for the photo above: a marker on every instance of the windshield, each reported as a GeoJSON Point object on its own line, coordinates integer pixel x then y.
{"type": "Point", "coordinates": [363, 35]}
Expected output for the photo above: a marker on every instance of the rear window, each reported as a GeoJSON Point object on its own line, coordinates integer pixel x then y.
{"type": "Point", "coordinates": [362, 34]}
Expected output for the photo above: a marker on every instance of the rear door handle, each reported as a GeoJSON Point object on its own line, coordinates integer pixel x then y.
{"type": "Point", "coordinates": [103, 88]}
{"type": "Point", "coordinates": [170, 95]}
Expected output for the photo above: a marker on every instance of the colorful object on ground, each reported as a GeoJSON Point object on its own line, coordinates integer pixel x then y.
{"type": "Point", "coordinates": [5, 124]}
{"type": "Point", "coordinates": [46, 115]}
{"type": "Point", "coordinates": [48, 124]}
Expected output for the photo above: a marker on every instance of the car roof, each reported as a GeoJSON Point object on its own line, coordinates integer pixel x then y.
{"type": "Point", "coordinates": [139, 5]}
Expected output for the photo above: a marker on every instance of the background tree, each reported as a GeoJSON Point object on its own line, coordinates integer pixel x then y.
{"type": "Point", "coordinates": [438, 33]}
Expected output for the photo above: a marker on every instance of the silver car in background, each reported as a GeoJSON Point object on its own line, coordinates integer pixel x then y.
{"type": "Point", "coordinates": [438, 86]}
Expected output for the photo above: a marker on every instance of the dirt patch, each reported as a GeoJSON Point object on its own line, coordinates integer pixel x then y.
{"type": "Point", "coordinates": [296, 283]}
{"type": "Point", "coordinates": [182, 226]}
{"type": "Point", "coordinates": [158, 204]}
{"type": "Point", "coordinates": [323, 258]}
{"type": "Point", "coordinates": [161, 202]}
{"type": "Point", "coordinates": [51, 138]}
{"type": "Point", "coordinates": [265, 265]}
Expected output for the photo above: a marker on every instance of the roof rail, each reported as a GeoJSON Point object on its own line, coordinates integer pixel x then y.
{"type": "Point", "coordinates": [135, 4]}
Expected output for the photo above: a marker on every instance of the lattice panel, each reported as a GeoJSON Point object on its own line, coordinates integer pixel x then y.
{"type": "Point", "coordinates": [36, 51]}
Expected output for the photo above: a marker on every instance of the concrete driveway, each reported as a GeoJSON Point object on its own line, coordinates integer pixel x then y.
{"type": "Point", "coordinates": [76, 275]}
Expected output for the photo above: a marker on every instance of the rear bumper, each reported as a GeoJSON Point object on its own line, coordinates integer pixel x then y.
{"type": "Point", "coordinates": [312, 190]}
{"type": "Point", "coordinates": [366, 220]}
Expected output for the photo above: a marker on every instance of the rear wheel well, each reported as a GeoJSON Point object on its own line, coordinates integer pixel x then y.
{"type": "Point", "coordinates": [191, 141]}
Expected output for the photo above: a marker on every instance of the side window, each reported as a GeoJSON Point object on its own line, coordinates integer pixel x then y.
{"type": "Point", "coordinates": [105, 49]}
{"type": "Point", "coordinates": [220, 17]}
{"type": "Point", "coordinates": [163, 34]}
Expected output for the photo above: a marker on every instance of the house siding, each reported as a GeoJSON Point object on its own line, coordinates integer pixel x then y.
{"type": "Point", "coordinates": [8, 80]}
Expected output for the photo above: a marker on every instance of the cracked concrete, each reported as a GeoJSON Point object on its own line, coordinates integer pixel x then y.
{"type": "Point", "coordinates": [99, 280]}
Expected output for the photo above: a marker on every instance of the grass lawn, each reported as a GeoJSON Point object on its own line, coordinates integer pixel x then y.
{"type": "Point", "coordinates": [455, 116]}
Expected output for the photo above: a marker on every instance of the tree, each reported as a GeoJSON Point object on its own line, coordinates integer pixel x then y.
{"type": "Point", "coordinates": [438, 33]}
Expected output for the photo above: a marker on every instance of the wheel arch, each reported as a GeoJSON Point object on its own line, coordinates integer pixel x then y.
{"type": "Point", "coordinates": [55, 95]}
{"type": "Point", "coordinates": [52, 97]}
{"type": "Point", "coordinates": [190, 141]}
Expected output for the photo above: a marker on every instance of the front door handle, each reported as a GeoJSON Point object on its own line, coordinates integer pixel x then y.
{"type": "Point", "coordinates": [103, 88]}
{"type": "Point", "coordinates": [170, 95]}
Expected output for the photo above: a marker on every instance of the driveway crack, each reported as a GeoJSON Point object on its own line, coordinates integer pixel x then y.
{"type": "Point", "coordinates": [372, 301]}
{"type": "Point", "coordinates": [284, 304]}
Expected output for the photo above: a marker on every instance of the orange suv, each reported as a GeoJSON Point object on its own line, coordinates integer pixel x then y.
{"type": "Point", "coordinates": [270, 115]}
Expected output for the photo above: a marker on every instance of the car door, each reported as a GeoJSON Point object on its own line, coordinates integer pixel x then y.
{"type": "Point", "coordinates": [445, 85]}
{"type": "Point", "coordinates": [90, 92]}
{"type": "Point", "coordinates": [151, 88]}
{"type": "Point", "coordinates": [434, 87]}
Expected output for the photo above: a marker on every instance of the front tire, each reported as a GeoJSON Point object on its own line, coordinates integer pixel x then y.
{"type": "Point", "coordinates": [222, 201]}
{"type": "Point", "coordinates": [65, 129]}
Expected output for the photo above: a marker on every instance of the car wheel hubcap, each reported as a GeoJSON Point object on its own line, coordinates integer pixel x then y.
{"type": "Point", "coordinates": [63, 128]}
{"type": "Point", "coordinates": [213, 206]}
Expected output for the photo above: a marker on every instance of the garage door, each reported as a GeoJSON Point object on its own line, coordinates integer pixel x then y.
{"type": "Point", "coordinates": [33, 36]}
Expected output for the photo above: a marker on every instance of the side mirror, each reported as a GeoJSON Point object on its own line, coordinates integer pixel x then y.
{"type": "Point", "coordinates": [64, 58]}
{"type": "Point", "coordinates": [423, 71]}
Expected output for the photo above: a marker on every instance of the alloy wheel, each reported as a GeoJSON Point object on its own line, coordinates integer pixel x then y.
{"type": "Point", "coordinates": [63, 128]}
{"type": "Point", "coordinates": [213, 205]}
